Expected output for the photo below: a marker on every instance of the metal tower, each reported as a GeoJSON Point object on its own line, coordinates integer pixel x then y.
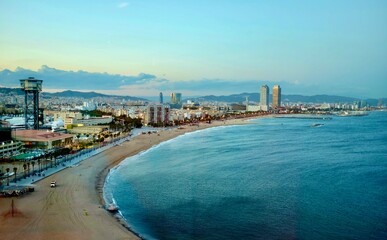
{"type": "Point", "coordinates": [31, 88]}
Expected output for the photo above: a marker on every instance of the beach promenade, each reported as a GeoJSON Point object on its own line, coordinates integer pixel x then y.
{"type": "Point", "coordinates": [75, 208]}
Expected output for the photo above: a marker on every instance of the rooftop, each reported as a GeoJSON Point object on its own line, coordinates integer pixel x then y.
{"type": "Point", "coordinates": [40, 135]}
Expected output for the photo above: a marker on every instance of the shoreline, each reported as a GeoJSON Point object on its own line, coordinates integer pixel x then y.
{"type": "Point", "coordinates": [178, 132]}
{"type": "Point", "coordinates": [75, 209]}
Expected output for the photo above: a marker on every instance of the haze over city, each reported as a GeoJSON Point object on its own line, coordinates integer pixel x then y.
{"type": "Point", "coordinates": [140, 48]}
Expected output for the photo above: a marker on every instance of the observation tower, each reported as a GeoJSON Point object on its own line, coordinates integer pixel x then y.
{"type": "Point", "coordinates": [31, 88]}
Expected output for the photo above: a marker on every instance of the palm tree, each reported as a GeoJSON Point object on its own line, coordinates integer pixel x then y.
{"type": "Point", "coordinates": [28, 168]}
{"type": "Point", "coordinates": [7, 169]}
{"type": "Point", "coordinates": [39, 165]}
{"type": "Point", "coordinates": [15, 170]}
{"type": "Point", "coordinates": [25, 168]}
{"type": "Point", "coordinates": [33, 167]}
{"type": "Point", "coordinates": [45, 163]}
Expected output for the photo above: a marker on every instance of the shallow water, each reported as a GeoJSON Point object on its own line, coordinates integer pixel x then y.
{"type": "Point", "coordinates": [273, 179]}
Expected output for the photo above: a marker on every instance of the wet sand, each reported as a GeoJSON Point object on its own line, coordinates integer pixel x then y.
{"type": "Point", "coordinates": [75, 208]}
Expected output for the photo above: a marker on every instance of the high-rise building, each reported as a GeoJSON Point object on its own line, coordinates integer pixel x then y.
{"type": "Point", "coordinates": [264, 98]}
{"type": "Point", "coordinates": [276, 97]}
{"type": "Point", "coordinates": [161, 97]}
{"type": "Point", "coordinates": [176, 98]}
{"type": "Point", "coordinates": [157, 114]}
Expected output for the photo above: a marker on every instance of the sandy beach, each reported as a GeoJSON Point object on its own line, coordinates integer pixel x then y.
{"type": "Point", "coordinates": [75, 208]}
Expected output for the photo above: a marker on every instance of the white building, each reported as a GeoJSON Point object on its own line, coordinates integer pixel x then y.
{"type": "Point", "coordinates": [89, 106]}
{"type": "Point", "coordinates": [89, 121]}
{"type": "Point", "coordinates": [253, 108]}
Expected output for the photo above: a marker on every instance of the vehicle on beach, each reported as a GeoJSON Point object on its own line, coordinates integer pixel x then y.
{"type": "Point", "coordinates": [53, 184]}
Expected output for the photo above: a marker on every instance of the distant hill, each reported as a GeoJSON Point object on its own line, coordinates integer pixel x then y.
{"type": "Point", "coordinates": [318, 99]}
{"type": "Point", "coordinates": [69, 93]}
{"type": "Point", "coordinates": [75, 94]}
{"type": "Point", "coordinates": [9, 91]}
{"type": "Point", "coordinates": [88, 95]}
{"type": "Point", "coordinates": [234, 98]}
{"type": "Point", "coordinates": [254, 97]}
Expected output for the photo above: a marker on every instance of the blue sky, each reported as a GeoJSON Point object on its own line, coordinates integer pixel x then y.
{"type": "Point", "coordinates": [209, 47]}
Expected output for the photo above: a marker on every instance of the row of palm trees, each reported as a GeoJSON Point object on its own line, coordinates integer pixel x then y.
{"type": "Point", "coordinates": [31, 164]}
{"type": "Point", "coordinates": [26, 168]}
{"type": "Point", "coordinates": [14, 170]}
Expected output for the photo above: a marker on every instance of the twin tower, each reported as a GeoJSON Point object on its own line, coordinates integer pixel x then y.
{"type": "Point", "coordinates": [264, 101]}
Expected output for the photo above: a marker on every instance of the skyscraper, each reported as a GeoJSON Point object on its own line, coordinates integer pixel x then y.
{"type": "Point", "coordinates": [161, 97]}
{"type": "Point", "coordinates": [264, 98]}
{"type": "Point", "coordinates": [276, 97]}
{"type": "Point", "coordinates": [176, 98]}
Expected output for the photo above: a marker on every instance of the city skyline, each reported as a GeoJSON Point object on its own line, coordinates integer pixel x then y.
{"type": "Point", "coordinates": [143, 47]}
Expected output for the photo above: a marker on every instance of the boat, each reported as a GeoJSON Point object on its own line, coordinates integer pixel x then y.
{"type": "Point", "coordinates": [112, 208]}
{"type": "Point", "coordinates": [317, 125]}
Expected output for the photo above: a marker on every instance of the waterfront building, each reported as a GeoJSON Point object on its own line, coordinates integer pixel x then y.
{"type": "Point", "coordinates": [176, 98]}
{"type": "Point", "coordinates": [43, 139]}
{"type": "Point", "coordinates": [89, 121]}
{"type": "Point", "coordinates": [253, 108]}
{"type": "Point", "coordinates": [8, 147]}
{"type": "Point", "coordinates": [264, 98]}
{"type": "Point", "coordinates": [276, 97]}
{"type": "Point", "coordinates": [89, 129]}
{"type": "Point", "coordinates": [157, 114]}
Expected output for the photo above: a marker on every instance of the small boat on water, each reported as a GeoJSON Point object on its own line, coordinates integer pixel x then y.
{"type": "Point", "coordinates": [317, 124]}
{"type": "Point", "coordinates": [112, 208]}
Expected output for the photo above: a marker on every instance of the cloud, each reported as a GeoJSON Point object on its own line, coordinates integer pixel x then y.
{"type": "Point", "coordinates": [142, 84]}
{"type": "Point", "coordinates": [78, 80]}
{"type": "Point", "coordinates": [123, 5]}
{"type": "Point", "coordinates": [139, 85]}
{"type": "Point", "coordinates": [146, 84]}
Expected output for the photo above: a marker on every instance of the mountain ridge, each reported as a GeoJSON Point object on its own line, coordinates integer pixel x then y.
{"type": "Point", "coordinates": [233, 98]}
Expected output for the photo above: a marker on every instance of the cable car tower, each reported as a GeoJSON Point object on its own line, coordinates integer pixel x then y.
{"type": "Point", "coordinates": [31, 88]}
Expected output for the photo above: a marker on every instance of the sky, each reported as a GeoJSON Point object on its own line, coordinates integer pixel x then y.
{"type": "Point", "coordinates": [197, 47]}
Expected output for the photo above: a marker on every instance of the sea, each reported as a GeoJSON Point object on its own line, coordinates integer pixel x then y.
{"type": "Point", "coordinates": [275, 178]}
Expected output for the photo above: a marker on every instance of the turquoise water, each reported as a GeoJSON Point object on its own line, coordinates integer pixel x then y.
{"type": "Point", "coordinates": [273, 179]}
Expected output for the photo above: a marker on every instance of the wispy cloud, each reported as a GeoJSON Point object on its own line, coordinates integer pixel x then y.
{"type": "Point", "coordinates": [138, 85]}
{"type": "Point", "coordinates": [145, 84]}
{"type": "Point", "coordinates": [77, 80]}
{"type": "Point", "coordinates": [123, 5]}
